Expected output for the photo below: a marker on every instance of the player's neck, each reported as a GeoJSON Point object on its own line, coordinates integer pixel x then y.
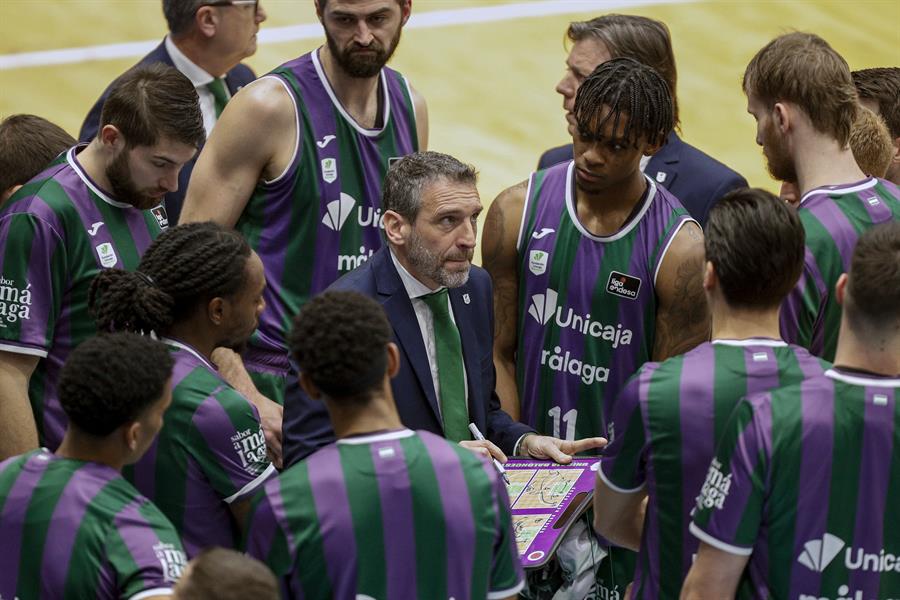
{"type": "Point", "coordinates": [197, 336]}
{"type": "Point", "coordinates": [79, 447]}
{"type": "Point", "coordinates": [604, 212]}
{"type": "Point", "coordinates": [379, 414]}
{"type": "Point", "coordinates": [741, 324]}
{"type": "Point", "coordinates": [358, 95]}
{"type": "Point", "coordinates": [873, 355]}
{"type": "Point", "coordinates": [821, 161]}
{"type": "Point", "coordinates": [93, 161]}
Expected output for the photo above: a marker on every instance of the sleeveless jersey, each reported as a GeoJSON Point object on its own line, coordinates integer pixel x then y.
{"type": "Point", "coordinates": [56, 233]}
{"type": "Point", "coordinates": [210, 453]}
{"type": "Point", "coordinates": [833, 218]}
{"type": "Point", "coordinates": [322, 216]}
{"type": "Point", "coordinates": [587, 304]}
{"type": "Point", "coordinates": [806, 481]}
{"type": "Point", "coordinates": [668, 419]}
{"type": "Point", "coordinates": [401, 514]}
{"type": "Point", "coordinates": [75, 529]}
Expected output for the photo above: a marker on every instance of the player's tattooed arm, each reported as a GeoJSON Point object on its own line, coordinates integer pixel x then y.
{"type": "Point", "coordinates": [682, 318]}
{"type": "Point", "coordinates": [500, 258]}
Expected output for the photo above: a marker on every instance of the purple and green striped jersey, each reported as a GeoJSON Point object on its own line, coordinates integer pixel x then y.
{"type": "Point", "coordinates": [56, 233]}
{"type": "Point", "coordinates": [76, 529]}
{"type": "Point", "coordinates": [833, 218]}
{"type": "Point", "coordinates": [587, 304]}
{"type": "Point", "coordinates": [668, 419]}
{"type": "Point", "coordinates": [210, 452]}
{"type": "Point", "coordinates": [806, 482]}
{"type": "Point", "coordinates": [321, 217]}
{"type": "Point", "coordinates": [401, 514]}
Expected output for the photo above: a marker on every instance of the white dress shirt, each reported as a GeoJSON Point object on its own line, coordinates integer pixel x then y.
{"type": "Point", "coordinates": [200, 79]}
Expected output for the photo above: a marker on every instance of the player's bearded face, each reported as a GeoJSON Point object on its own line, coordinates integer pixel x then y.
{"type": "Point", "coordinates": [429, 263]}
{"type": "Point", "coordinates": [124, 187]}
{"type": "Point", "coordinates": [778, 159]}
{"type": "Point", "coordinates": [363, 61]}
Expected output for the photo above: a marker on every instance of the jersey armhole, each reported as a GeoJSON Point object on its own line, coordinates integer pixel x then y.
{"type": "Point", "coordinates": [293, 159]}
{"type": "Point", "coordinates": [519, 238]}
{"type": "Point", "coordinates": [672, 235]}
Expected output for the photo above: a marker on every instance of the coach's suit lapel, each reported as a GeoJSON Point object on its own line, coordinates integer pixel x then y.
{"type": "Point", "coordinates": [663, 166]}
{"type": "Point", "coordinates": [403, 319]}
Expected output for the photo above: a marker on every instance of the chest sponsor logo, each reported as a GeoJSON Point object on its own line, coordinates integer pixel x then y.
{"type": "Point", "coordinates": [95, 227]}
{"type": "Point", "coordinates": [624, 285]}
{"type": "Point", "coordinates": [171, 559]}
{"type": "Point", "coordinates": [325, 141]}
{"type": "Point", "coordinates": [15, 301]}
{"type": "Point", "coordinates": [544, 232]}
{"type": "Point", "coordinates": [329, 169]}
{"type": "Point", "coordinates": [544, 308]}
{"type": "Point", "coordinates": [716, 487]}
{"type": "Point", "coordinates": [162, 217]}
{"type": "Point", "coordinates": [348, 262]}
{"type": "Point", "coordinates": [250, 447]}
{"type": "Point", "coordinates": [537, 262]}
{"type": "Point", "coordinates": [818, 554]}
{"type": "Point", "coordinates": [338, 211]}
{"type": "Point", "coordinates": [107, 255]}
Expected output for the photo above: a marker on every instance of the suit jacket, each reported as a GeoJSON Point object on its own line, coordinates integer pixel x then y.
{"type": "Point", "coordinates": [306, 425]}
{"type": "Point", "coordinates": [694, 177]}
{"type": "Point", "coordinates": [235, 79]}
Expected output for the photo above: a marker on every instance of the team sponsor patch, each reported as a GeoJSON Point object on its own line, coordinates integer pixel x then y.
{"type": "Point", "coordinates": [107, 255]}
{"type": "Point", "coordinates": [626, 286]}
{"type": "Point", "coordinates": [15, 301]}
{"type": "Point", "coordinates": [537, 262]}
{"type": "Point", "coordinates": [171, 559]}
{"type": "Point", "coordinates": [250, 446]}
{"type": "Point", "coordinates": [162, 216]}
{"type": "Point", "coordinates": [329, 169]}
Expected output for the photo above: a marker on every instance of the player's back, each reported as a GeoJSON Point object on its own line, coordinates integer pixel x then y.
{"type": "Point", "coordinates": [75, 529]}
{"type": "Point", "coordinates": [667, 422]}
{"type": "Point", "coordinates": [833, 218]}
{"type": "Point", "coordinates": [391, 515]}
{"type": "Point", "coordinates": [820, 514]}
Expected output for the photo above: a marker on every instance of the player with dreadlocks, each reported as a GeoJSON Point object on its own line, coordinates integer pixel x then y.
{"type": "Point", "coordinates": [198, 287]}
{"type": "Point", "coordinates": [596, 269]}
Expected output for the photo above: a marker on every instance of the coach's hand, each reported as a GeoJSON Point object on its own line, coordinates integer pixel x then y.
{"type": "Point", "coordinates": [561, 451]}
{"type": "Point", "coordinates": [484, 448]}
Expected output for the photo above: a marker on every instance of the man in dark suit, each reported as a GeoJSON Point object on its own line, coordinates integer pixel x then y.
{"type": "Point", "coordinates": [441, 310]}
{"type": "Point", "coordinates": [692, 176]}
{"type": "Point", "coordinates": [207, 41]}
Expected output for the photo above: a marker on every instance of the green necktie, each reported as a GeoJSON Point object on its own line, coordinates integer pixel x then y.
{"type": "Point", "coordinates": [220, 94]}
{"type": "Point", "coordinates": [451, 380]}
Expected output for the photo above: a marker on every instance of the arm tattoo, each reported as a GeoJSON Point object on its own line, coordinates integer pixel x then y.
{"type": "Point", "coordinates": [685, 323]}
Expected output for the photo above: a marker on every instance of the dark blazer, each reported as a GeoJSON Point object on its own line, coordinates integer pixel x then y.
{"type": "Point", "coordinates": [306, 426]}
{"type": "Point", "coordinates": [235, 79]}
{"type": "Point", "coordinates": [694, 177]}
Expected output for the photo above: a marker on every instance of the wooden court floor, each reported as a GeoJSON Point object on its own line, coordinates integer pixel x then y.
{"type": "Point", "coordinates": [489, 83]}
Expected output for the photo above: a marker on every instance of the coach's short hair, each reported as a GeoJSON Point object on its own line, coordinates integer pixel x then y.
{"type": "Point", "coordinates": [756, 244]}
{"type": "Point", "coordinates": [803, 69]}
{"type": "Point", "coordinates": [882, 84]}
{"type": "Point", "coordinates": [644, 39]}
{"type": "Point", "coordinates": [149, 102]}
{"type": "Point", "coordinates": [872, 301]}
{"type": "Point", "coordinates": [871, 143]}
{"type": "Point", "coordinates": [407, 179]}
{"type": "Point", "coordinates": [226, 574]}
{"type": "Point", "coordinates": [28, 143]}
{"type": "Point", "coordinates": [180, 14]}
{"type": "Point", "coordinates": [110, 380]}
{"type": "Point", "coordinates": [339, 340]}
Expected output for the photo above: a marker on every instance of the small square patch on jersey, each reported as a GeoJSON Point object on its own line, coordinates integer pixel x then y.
{"type": "Point", "coordinates": [873, 201]}
{"type": "Point", "coordinates": [760, 357]}
{"type": "Point", "coordinates": [386, 452]}
{"type": "Point", "coordinates": [879, 400]}
{"type": "Point", "coordinates": [162, 217]}
{"type": "Point", "coordinates": [624, 285]}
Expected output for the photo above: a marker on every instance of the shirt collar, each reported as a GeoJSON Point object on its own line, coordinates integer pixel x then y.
{"type": "Point", "coordinates": [197, 75]}
{"type": "Point", "coordinates": [414, 287]}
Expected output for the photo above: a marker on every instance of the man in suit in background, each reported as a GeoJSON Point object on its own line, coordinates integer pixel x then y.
{"type": "Point", "coordinates": [440, 308]}
{"type": "Point", "coordinates": [206, 42]}
{"type": "Point", "coordinates": [695, 178]}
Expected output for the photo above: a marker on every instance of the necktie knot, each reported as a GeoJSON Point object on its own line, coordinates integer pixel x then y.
{"type": "Point", "coordinates": [220, 94]}
{"type": "Point", "coordinates": [437, 302]}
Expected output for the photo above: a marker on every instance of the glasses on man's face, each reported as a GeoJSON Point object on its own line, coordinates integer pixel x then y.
{"type": "Point", "coordinates": [254, 3]}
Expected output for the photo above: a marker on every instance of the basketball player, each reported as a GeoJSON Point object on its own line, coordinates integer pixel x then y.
{"type": "Point", "coordinates": [384, 512]}
{"type": "Point", "coordinates": [97, 208]}
{"type": "Point", "coordinates": [198, 287]}
{"type": "Point", "coordinates": [801, 498]}
{"type": "Point", "coordinates": [70, 525]}
{"type": "Point", "coordinates": [296, 163]}
{"type": "Point", "coordinates": [801, 94]}
{"type": "Point", "coordinates": [669, 416]}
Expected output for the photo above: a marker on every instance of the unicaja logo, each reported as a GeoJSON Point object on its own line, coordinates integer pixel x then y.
{"type": "Point", "coordinates": [543, 306]}
{"type": "Point", "coordinates": [337, 212]}
{"type": "Point", "coordinates": [818, 554]}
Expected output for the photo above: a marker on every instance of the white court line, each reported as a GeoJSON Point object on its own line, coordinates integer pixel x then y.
{"type": "Point", "coordinates": [271, 35]}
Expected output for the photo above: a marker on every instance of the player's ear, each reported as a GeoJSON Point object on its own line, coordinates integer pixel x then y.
{"type": "Point", "coordinates": [405, 10]}
{"type": "Point", "coordinates": [393, 360]}
{"type": "Point", "coordinates": [216, 310]}
{"type": "Point", "coordinates": [840, 288]}
{"type": "Point", "coordinates": [131, 433]}
{"type": "Point", "coordinates": [781, 113]}
{"type": "Point", "coordinates": [709, 276]}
